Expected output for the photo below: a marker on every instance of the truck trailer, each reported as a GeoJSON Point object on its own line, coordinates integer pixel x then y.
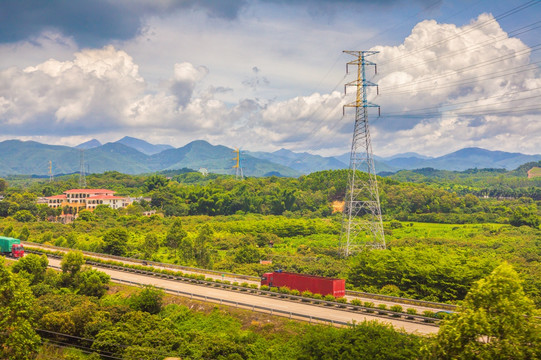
{"type": "Point", "coordinates": [314, 284]}
{"type": "Point", "coordinates": [11, 247]}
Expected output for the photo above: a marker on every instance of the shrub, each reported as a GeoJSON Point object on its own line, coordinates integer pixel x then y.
{"type": "Point", "coordinates": [235, 283]}
{"type": "Point", "coordinates": [254, 286]}
{"type": "Point", "coordinates": [284, 290]}
{"type": "Point", "coordinates": [396, 308]}
{"type": "Point", "coordinates": [428, 313]}
{"type": "Point", "coordinates": [382, 306]}
{"type": "Point", "coordinates": [274, 289]}
{"type": "Point", "coordinates": [264, 288]}
{"type": "Point", "coordinates": [295, 292]}
{"type": "Point", "coordinates": [148, 299]}
{"type": "Point", "coordinates": [342, 300]}
{"type": "Point", "coordinates": [244, 284]}
{"type": "Point", "coordinates": [317, 296]}
{"type": "Point", "coordinates": [307, 294]}
{"type": "Point", "coordinates": [329, 298]}
{"type": "Point", "coordinates": [368, 304]}
{"type": "Point", "coordinates": [355, 302]}
{"type": "Point", "coordinates": [411, 311]}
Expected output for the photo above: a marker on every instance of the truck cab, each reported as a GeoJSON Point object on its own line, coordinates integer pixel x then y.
{"type": "Point", "coordinates": [266, 279]}
{"type": "Point", "coordinates": [17, 250]}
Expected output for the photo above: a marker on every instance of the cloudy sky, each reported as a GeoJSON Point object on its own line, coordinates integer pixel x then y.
{"type": "Point", "coordinates": [270, 74]}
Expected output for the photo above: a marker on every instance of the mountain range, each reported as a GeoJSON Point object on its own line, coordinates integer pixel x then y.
{"type": "Point", "coordinates": [134, 156]}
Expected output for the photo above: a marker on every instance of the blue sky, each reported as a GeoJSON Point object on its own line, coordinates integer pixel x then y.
{"type": "Point", "coordinates": [267, 74]}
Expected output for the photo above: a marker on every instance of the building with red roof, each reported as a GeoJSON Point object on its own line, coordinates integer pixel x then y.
{"type": "Point", "coordinates": [78, 199]}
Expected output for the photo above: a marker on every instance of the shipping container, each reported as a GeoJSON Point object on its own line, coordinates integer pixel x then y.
{"type": "Point", "coordinates": [315, 284]}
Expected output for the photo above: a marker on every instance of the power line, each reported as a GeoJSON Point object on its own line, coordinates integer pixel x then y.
{"type": "Point", "coordinates": [411, 111]}
{"type": "Point", "coordinates": [466, 68]}
{"type": "Point", "coordinates": [510, 111]}
{"type": "Point", "coordinates": [474, 47]}
{"type": "Point", "coordinates": [470, 80]}
{"type": "Point", "coordinates": [497, 18]}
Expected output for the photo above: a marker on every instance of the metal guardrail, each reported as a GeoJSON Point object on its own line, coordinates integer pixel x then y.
{"type": "Point", "coordinates": [371, 311]}
{"type": "Point", "coordinates": [252, 307]}
{"type": "Point", "coordinates": [395, 299]}
{"type": "Point", "coordinates": [401, 300]}
{"type": "Point", "coordinates": [153, 263]}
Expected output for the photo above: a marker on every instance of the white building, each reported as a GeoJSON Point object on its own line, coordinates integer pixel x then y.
{"type": "Point", "coordinates": [89, 199]}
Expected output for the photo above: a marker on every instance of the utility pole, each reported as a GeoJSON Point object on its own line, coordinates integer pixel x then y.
{"type": "Point", "coordinates": [238, 168]}
{"type": "Point", "coordinates": [82, 177]}
{"type": "Point", "coordinates": [362, 224]}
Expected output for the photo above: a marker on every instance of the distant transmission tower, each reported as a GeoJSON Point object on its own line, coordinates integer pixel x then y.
{"type": "Point", "coordinates": [362, 225]}
{"type": "Point", "coordinates": [237, 166]}
{"type": "Point", "coordinates": [50, 171]}
{"type": "Point", "coordinates": [82, 177]}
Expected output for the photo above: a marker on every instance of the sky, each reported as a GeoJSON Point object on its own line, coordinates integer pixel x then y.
{"type": "Point", "coordinates": [263, 75]}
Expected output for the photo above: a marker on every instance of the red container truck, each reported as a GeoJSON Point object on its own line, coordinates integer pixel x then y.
{"type": "Point", "coordinates": [11, 247]}
{"type": "Point", "coordinates": [315, 284]}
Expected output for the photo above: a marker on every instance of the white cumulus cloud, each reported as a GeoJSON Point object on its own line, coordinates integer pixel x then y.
{"type": "Point", "coordinates": [446, 87]}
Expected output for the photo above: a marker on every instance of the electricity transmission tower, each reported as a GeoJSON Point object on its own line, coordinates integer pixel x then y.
{"type": "Point", "coordinates": [237, 166]}
{"type": "Point", "coordinates": [362, 225]}
{"type": "Point", "coordinates": [82, 177]}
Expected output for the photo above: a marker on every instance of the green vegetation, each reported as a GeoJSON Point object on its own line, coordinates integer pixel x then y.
{"type": "Point", "coordinates": [441, 236]}
{"type": "Point", "coordinates": [129, 323]}
{"type": "Point", "coordinates": [495, 321]}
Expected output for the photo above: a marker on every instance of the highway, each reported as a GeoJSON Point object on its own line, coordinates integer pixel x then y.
{"type": "Point", "coordinates": [252, 301]}
{"type": "Point", "coordinates": [236, 278]}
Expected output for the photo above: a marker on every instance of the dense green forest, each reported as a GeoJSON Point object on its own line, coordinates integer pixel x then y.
{"type": "Point", "coordinates": [439, 241]}
{"type": "Point", "coordinates": [444, 233]}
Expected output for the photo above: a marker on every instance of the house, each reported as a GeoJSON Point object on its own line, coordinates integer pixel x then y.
{"type": "Point", "coordinates": [89, 199]}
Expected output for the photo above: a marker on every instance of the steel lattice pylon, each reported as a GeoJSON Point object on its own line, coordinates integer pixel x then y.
{"type": "Point", "coordinates": [362, 224]}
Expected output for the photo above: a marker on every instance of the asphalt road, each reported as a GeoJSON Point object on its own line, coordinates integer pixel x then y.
{"type": "Point", "coordinates": [272, 303]}
{"type": "Point", "coordinates": [420, 309]}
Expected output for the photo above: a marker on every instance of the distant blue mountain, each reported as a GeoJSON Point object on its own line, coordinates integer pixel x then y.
{"type": "Point", "coordinates": [143, 146]}
{"type": "Point", "coordinates": [127, 156]}
{"type": "Point", "coordinates": [304, 163]}
{"type": "Point", "coordinates": [89, 144]}
{"type": "Point", "coordinates": [406, 155]}
{"type": "Point", "coordinates": [468, 158]}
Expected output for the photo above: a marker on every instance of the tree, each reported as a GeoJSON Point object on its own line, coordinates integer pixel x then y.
{"type": "Point", "coordinates": [8, 230]}
{"type": "Point", "coordinates": [86, 215]}
{"type": "Point", "coordinates": [24, 234]}
{"type": "Point", "coordinates": [24, 216]}
{"type": "Point", "coordinates": [32, 267]}
{"type": "Point", "coordinates": [150, 245]}
{"type": "Point", "coordinates": [201, 246]}
{"type": "Point", "coordinates": [71, 262]}
{"type": "Point", "coordinates": [18, 340]}
{"type": "Point", "coordinates": [148, 299]}
{"type": "Point", "coordinates": [92, 282]}
{"type": "Point", "coordinates": [3, 185]}
{"type": "Point", "coordinates": [175, 236]}
{"type": "Point", "coordinates": [155, 182]}
{"type": "Point", "coordinates": [523, 215]}
{"type": "Point", "coordinates": [116, 241]}
{"type": "Point", "coordinates": [248, 254]}
{"type": "Point", "coordinates": [494, 322]}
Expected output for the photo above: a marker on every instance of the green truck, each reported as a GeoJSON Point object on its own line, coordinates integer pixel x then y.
{"type": "Point", "coordinates": [11, 247]}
